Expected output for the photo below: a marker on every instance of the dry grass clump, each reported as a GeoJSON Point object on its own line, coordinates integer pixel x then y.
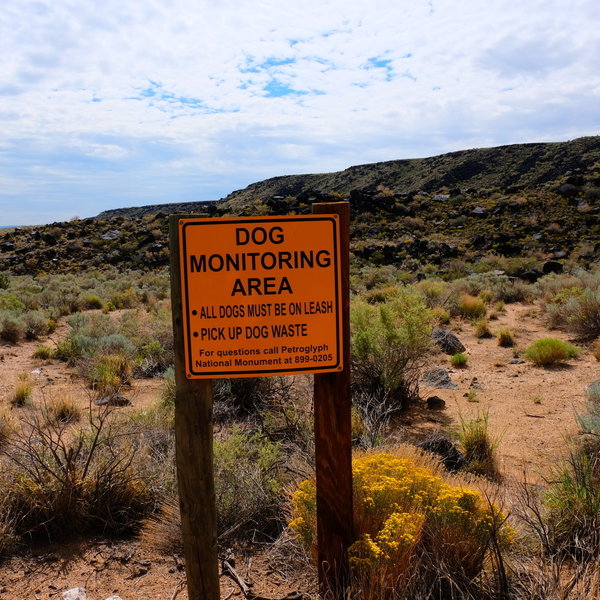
{"type": "Point", "coordinates": [62, 409]}
{"type": "Point", "coordinates": [471, 307]}
{"type": "Point", "coordinates": [481, 328]}
{"type": "Point", "coordinates": [506, 338]}
{"type": "Point", "coordinates": [478, 446]}
{"type": "Point", "coordinates": [23, 390]}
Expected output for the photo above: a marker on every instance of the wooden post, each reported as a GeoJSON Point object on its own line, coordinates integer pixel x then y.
{"type": "Point", "coordinates": [333, 442]}
{"type": "Point", "coordinates": [194, 453]}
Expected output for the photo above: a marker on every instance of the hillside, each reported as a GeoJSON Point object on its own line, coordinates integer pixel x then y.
{"type": "Point", "coordinates": [527, 200]}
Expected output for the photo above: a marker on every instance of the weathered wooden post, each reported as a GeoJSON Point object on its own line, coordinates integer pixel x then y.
{"type": "Point", "coordinates": [194, 453]}
{"type": "Point", "coordinates": [333, 442]}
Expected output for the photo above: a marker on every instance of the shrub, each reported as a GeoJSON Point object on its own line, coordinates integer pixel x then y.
{"type": "Point", "coordinates": [44, 352]}
{"type": "Point", "coordinates": [481, 328]}
{"type": "Point", "coordinates": [4, 281]}
{"type": "Point", "coordinates": [168, 394]}
{"type": "Point", "coordinates": [506, 338]}
{"type": "Point", "coordinates": [60, 481]}
{"type": "Point", "coordinates": [23, 389]}
{"type": "Point", "coordinates": [441, 315]}
{"type": "Point", "coordinates": [36, 325]}
{"type": "Point", "coordinates": [248, 484]}
{"type": "Point", "coordinates": [471, 307]}
{"type": "Point", "coordinates": [408, 520]}
{"type": "Point", "coordinates": [550, 351]}
{"type": "Point", "coordinates": [91, 301]}
{"type": "Point", "coordinates": [592, 392]}
{"type": "Point", "coordinates": [478, 446]}
{"type": "Point", "coordinates": [62, 409]}
{"type": "Point", "coordinates": [459, 360]}
{"type": "Point", "coordinates": [389, 343]}
{"type": "Point", "coordinates": [109, 372]}
{"type": "Point", "coordinates": [573, 507]}
{"type": "Point", "coordinates": [12, 329]}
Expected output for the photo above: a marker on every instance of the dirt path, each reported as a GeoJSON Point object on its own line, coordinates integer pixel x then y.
{"type": "Point", "coordinates": [532, 409]}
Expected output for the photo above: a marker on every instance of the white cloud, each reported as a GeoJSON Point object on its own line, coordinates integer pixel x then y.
{"type": "Point", "coordinates": [191, 99]}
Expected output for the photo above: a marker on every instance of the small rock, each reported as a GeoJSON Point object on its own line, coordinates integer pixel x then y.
{"type": "Point", "coordinates": [438, 378]}
{"type": "Point", "coordinates": [552, 266]}
{"type": "Point", "coordinates": [114, 598]}
{"type": "Point", "coordinates": [111, 235]}
{"type": "Point", "coordinates": [77, 593]}
{"type": "Point", "coordinates": [114, 400]}
{"type": "Point", "coordinates": [475, 385]}
{"type": "Point", "coordinates": [435, 403]}
{"type": "Point", "coordinates": [451, 458]}
{"type": "Point", "coordinates": [447, 341]}
{"type": "Point", "coordinates": [516, 361]}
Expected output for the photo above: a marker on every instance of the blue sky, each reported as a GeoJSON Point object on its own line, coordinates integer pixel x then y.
{"type": "Point", "coordinates": [114, 104]}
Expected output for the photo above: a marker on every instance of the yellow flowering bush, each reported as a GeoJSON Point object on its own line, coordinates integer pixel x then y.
{"type": "Point", "coordinates": [406, 516]}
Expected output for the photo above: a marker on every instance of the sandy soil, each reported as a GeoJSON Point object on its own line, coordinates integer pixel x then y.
{"type": "Point", "coordinates": [533, 411]}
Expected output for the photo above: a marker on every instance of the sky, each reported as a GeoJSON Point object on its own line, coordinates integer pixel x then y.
{"type": "Point", "coordinates": [131, 102]}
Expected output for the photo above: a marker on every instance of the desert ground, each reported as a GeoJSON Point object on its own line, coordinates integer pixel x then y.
{"type": "Point", "coordinates": [532, 410]}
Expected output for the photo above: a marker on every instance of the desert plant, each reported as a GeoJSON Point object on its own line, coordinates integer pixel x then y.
{"type": "Point", "coordinates": [478, 446]}
{"type": "Point", "coordinates": [248, 484]}
{"type": "Point", "coordinates": [62, 481]}
{"type": "Point", "coordinates": [459, 360]}
{"type": "Point", "coordinates": [12, 328]}
{"type": "Point", "coordinates": [481, 328]}
{"type": "Point", "coordinates": [23, 389]}
{"type": "Point", "coordinates": [107, 373]}
{"type": "Point", "coordinates": [408, 519]}
{"type": "Point", "coordinates": [550, 351]}
{"type": "Point", "coordinates": [592, 392]}
{"type": "Point", "coordinates": [389, 343]}
{"type": "Point", "coordinates": [44, 352]}
{"type": "Point", "coordinates": [471, 307]}
{"type": "Point", "coordinates": [36, 325]}
{"type": "Point", "coordinates": [61, 409]}
{"type": "Point", "coordinates": [573, 506]}
{"type": "Point", "coordinates": [506, 338]}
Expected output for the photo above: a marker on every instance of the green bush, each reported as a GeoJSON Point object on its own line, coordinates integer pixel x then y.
{"type": "Point", "coordinates": [592, 392]}
{"type": "Point", "coordinates": [550, 351]}
{"type": "Point", "coordinates": [389, 343]}
{"type": "Point", "coordinates": [459, 360]}
{"type": "Point", "coordinates": [248, 485]}
{"type": "Point", "coordinates": [36, 325]}
{"type": "Point", "coordinates": [44, 352]}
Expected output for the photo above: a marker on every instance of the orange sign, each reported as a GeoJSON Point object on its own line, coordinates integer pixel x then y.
{"type": "Point", "coordinates": [261, 295]}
